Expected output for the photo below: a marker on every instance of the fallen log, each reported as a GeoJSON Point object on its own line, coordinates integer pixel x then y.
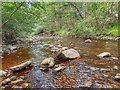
{"type": "Point", "coordinates": [21, 66]}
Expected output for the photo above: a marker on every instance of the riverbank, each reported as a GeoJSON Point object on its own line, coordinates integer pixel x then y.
{"type": "Point", "coordinates": [95, 37]}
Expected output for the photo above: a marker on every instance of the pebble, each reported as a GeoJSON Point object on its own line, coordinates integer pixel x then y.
{"type": "Point", "coordinates": [104, 54]}
{"type": "Point", "coordinates": [51, 46]}
{"type": "Point", "coordinates": [15, 86]}
{"type": "Point", "coordinates": [59, 46]}
{"type": "Point", "coordinates": [115, 67]}
{"type": "Point", "coordinates": [22, 77]}
{"type": "Point", "coordinates": [42, 68]}
{"type": "Point", "coordinates": [64, 48]}
{"type": "Point", "coordinates": [13, 77]}
{"type": "Point", "coordinates": [2, 73]}
{"type": "Point", "coordinates": [105, 75]}
{"type": "Point", "coordinates": [105, 69]}
{"type": "Point", "coordinates": [18, 81]}
{"type": "Point", "coordinates": [25, 85]}
{"type": "Point", "coordinates": [59, 68]}
{"type": "Point", "coordinates": [115, 58]}
{"type": "Point", "coordinates": [93, 68]}
{"type": "Point", "coordinates": [87, 84]}
{"type": "Point", "coordinates": [117, 77]}
{"type": "Point", "coordinates": [88, 41]}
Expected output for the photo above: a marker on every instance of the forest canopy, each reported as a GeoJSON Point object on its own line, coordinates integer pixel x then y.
{"type": "Point", "coordinates": [77, 18]}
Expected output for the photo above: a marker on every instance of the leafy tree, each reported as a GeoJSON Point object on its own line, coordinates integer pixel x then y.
{"type": "Point", "coordinates": [23, 18]}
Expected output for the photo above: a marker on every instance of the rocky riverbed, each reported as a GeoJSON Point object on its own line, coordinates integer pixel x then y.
{"type": "Point", "coordinates": [88, 70]}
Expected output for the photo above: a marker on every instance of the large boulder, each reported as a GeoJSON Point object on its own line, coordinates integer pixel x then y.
{"type": "Point", "coordinates": [48, 62]}
{"type": "Point", "coordinates": [104, 54]}
{"type": "Point", "coordinates": [69, 54]}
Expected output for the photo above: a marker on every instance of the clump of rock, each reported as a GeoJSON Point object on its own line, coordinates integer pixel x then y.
{"type": "Point", "coordinates": [117, 77]}
{"type": "Point", "coordinates": [69, 54]}
{"type": "Point", "coordinates": [12, 47]}
{"type": "Point", "coordinates": [21, 66]}
{"type": "Point", "coordinates": [88, 41]}
{"type": "Point", "coordinates": [59, 68]}
{"type": "Point", "coordinates": [55, 49]}
{"type": "Point", "coordinates": [104, 55]}
{"type": "Point", "coordinates": [2, 73]}
{"type": "Point", "coordinates": [48, 62]}
{"type": "Point", "coordinates": [16, 82]}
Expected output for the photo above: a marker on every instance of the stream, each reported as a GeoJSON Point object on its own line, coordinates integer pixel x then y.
{"type": "Point", "coordinates": [88, 71]}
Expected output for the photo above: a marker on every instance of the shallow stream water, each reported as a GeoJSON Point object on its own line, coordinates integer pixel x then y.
{"type": "Point", "coordinates": [77, 72]}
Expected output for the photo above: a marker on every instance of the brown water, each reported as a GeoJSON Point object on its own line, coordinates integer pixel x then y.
{"type": "Point", "coordinates": [15, 58]}
{"type": "Point", "coordinates": [76, 72]}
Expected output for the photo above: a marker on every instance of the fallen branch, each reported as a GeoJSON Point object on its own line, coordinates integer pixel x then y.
{"type": "Point", "coordinates": [21, 66]}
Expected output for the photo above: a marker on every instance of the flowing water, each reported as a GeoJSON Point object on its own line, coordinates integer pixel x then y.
{"type": "Point", "coordinates": [77, 72]}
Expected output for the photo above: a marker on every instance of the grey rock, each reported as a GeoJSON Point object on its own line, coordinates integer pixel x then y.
{"type": "Point", "coordinates": [2, 73]}
{"type": "Point", "coordinates": [22, 77]}
{"type": "Point", "coordinates": [69, 54]}
{"type": "Point", "coordinates": [49, 62]}
{"type": "Point", "coordinates": [59, 68]}
{"type": "Point", "coordinates": [12, 47]}
{"type": "Point", "coordinates": [88, 41]}
{"type": "Point", "coordinates": [55, 49]}
{"type": "Point", "coordinates": [114, 58]}
{"type": "Point", "coordinates": [87, 84]}
{"type": "Point", "coordinates": [104, 54]}
{"type": "Point", "coordinates": [15, 87]}
{"type": "Point", "coordinates": [117, 77]}
{"type": "Point", "coordinates": [13, 78]}
{"type": "Point", "coordinates": [64, 48]}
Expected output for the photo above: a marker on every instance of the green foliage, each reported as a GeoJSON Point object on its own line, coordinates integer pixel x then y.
{"type": "Point", "coordinates": [112, 31]}
{"type": "Point", "coordinates": [62, 32]}
{"type": "Point", "coordinates": [60, 18]}
{"type": "Point", "coordinates": [83, 28]}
